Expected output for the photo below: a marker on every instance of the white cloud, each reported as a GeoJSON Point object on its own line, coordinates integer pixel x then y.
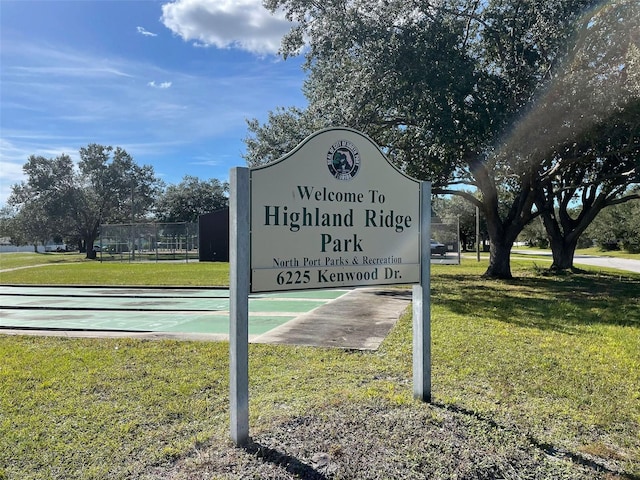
{"type": "Point", "coordinates": [162, 85]}
{"type": "Point", "coordinates": [72, 71]}
{"type": "Point", "coordinates": [56, 100]}
{"type": "Point", "coordinates": [243, 24]}
{"type": "Point", "coordinates": [146, 33]}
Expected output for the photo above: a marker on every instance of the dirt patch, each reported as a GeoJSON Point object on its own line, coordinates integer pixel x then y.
{"type": "Point", "coordinates": [381, 441]}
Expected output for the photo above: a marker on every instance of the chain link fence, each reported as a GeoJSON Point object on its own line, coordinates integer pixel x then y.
{"type": "Point", "coordinates": [153, 242]}
{"type": "Point", "coordinates": [140, 242]}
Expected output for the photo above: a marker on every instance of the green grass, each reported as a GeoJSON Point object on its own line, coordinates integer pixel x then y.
{"type": "Point", "coordinates": [595, 251]}
{"type": "Point", "coordinates": [564, 349]}
{"type": "Point", "coordinates": [92, 272]}
{"type": "Point", "coordinates": [607, 253]}
{"type": "Point", "coordinates": [17, 260]}
{"type": "Point", "coordinates": [552, 359]}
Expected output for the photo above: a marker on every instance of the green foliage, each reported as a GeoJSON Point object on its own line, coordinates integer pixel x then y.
{"type": "Point", "coordinates": [617, 225]}
{"type": "Point", "coordinates": [488, 94]}
{"type": "Point", "coordinates": [535, 235]}
{"type": "Point", "coordinates": [41, 202]}
{"type": "Point", "coordinates": [25, 226]}
{"type": "Point", "coordinates": [284, 130]}
{"type": "Point", "coordinates": [457, 208]}
{"type": "Point", "coordinates": [119, 190]}
{"type": "Point", "coordinates": [189, 199]}
{"type": "Point", "coordinates": [59, 200]}
{"type": "Point", "coordinates": [602, 160]}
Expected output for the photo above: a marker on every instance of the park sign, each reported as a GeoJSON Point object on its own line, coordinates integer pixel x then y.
{"type": "Point", "coordinates": [333, 213]}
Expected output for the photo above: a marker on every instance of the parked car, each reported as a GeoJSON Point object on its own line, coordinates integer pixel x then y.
{"type": "Point", "coordinates": [438, 248]}
{"type": "Point", "coordinates": [120, 247]}
{"type": "Point", "coordinates": [56, 247]}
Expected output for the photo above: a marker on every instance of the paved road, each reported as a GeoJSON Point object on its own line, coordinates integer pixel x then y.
{"type": "Point", "coordinates": [607, 262]}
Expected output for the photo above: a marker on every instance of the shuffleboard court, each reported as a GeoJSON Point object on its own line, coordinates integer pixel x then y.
{"type": "Point", "coordinates": [135, 309]}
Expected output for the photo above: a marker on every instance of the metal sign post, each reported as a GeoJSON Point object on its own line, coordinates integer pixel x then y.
{"type": "Point", "coordinates": [239, 245]}
{"type": "Point", "coordinates": [478, 232]}
{"type": "Point", "coordinates": [422, 304]}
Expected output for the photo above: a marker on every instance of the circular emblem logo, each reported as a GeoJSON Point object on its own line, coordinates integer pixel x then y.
{"type": "Point", "coordinates": [343, 160]}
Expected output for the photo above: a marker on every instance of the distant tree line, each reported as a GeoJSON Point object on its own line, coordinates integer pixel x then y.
{"type": "Point", "coordinates": [67, 203]}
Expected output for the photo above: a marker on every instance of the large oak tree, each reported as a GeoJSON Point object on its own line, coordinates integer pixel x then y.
{"type": "Point", "coordinates": [107, 186]}
{"type": "Point", "coordinates": [190, 198]}
{"type": "Point", "coordinates": [444, 87]}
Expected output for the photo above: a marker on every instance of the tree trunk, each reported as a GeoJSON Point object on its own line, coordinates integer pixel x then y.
{"type": "Point", "coordinates": [563, 241]}
{"type": "Point", "coordinates": [501, 240]}
{"type": "Point", "coordinates": [563, 250]}
{"type": "Point", "coordinates": [88, 246]}
{"type": "Point", "coordinates": [499, 260]}
{"type": "Point", "coordinates": [464, 241]}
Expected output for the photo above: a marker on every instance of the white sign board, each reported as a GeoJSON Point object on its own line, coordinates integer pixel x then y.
{"type": "Point", "coordinates": [333, 213]}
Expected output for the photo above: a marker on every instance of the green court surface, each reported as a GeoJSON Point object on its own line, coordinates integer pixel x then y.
{"type": "Point", "coordinates": [175, 310]}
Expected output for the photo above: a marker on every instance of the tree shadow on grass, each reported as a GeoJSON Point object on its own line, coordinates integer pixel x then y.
{"type": "Point", "coordinates": [549, 449]}
{"type": "Point", "coordinates": [554, 302]}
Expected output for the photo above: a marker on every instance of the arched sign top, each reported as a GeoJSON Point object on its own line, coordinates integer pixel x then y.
{"type": "Point", "coordinates": [343, 157]}
{"type": "Point", "coordinates": [333, 213]}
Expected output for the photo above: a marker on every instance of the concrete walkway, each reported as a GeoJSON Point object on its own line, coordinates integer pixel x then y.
{"type": "Point", "coordinates": [361, 320]}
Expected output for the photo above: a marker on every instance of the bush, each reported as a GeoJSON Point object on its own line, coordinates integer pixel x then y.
{"type": "Point", "coordinates": [610, 246]}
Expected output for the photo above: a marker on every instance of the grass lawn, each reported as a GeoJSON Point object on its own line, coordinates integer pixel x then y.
{"type": "Point", "coordinates": [92, 272]}
{"type": "Point", "coordinates": [607, 253]}
{"type": "Point", "coordinates": [594, 251]}
{"type": "Point", "coordinates": [18, 260]}
{"type": "Point", "coordinates": [538, 377]}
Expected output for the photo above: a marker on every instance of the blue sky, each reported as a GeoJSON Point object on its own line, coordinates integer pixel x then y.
{"type": "Point", "coordinates": [170, 82]}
